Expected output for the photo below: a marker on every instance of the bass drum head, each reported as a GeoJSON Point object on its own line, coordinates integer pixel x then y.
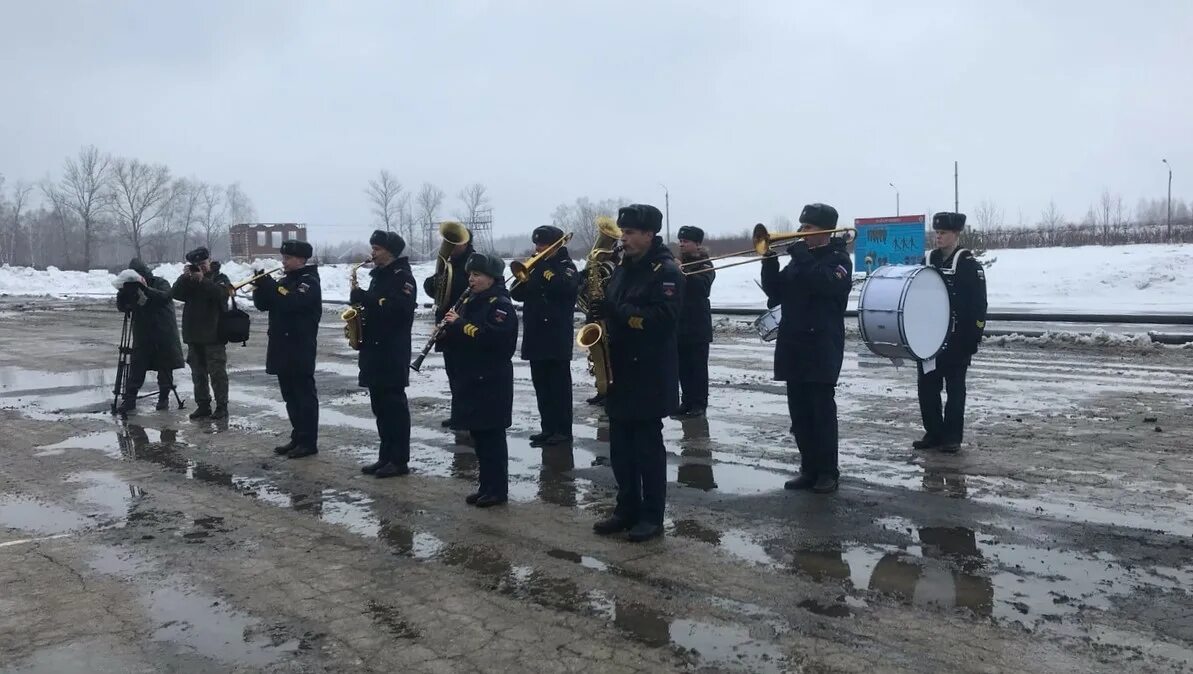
{"type": "Point", "coordinates": [926, 313]}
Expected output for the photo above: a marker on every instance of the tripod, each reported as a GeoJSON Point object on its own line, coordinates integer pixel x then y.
{"type": "Point", "coordinates": [123, 366]}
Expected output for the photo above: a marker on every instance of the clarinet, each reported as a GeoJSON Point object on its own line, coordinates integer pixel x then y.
{"type": "Point", "coordinates": [439, 327]}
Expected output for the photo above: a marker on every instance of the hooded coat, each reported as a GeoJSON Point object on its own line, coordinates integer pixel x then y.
{"type": "Point", "coordinates": [155, 325]}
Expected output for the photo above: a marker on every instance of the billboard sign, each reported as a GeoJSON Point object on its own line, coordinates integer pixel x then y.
{"type": "Point", "coordinates": [892, 240]}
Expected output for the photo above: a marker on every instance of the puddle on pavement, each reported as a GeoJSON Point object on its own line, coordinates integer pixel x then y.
{"type": "Point", "coordinates": [19, 380]}
{"type": "Point", "coordinates": [193, 620]}
{"type": "Point", "coordinates": [114, 496]}
{"type": "Point", "coordinates": [27, 514]}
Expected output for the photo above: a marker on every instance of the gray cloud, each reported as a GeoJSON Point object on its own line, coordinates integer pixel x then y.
{"type": "Point", "coordinates": [745, 110]}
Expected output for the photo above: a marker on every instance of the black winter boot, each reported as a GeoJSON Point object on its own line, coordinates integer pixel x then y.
{"type": "Point", "coordinates": [163, 399]}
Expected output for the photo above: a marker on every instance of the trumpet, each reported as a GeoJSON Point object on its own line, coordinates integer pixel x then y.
{"type": "Point", "coordinates": [522, 270]}
{"type": "Point", "coordinates": [764, 242]}
{"type": "Point", "coordinates": [256, 278]}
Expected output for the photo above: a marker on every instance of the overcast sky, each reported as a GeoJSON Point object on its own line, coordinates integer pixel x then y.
{"type": "Point", "coordinates": [745, 110]}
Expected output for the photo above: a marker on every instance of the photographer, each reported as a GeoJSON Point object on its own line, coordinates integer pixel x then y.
{"type": "Point", "coordinates": [155, 335]}
{"type": "Point", "coordinates": [204, 292]}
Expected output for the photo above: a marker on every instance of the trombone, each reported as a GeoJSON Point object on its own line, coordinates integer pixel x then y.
{"type": "Point", "coordinates": [258, 277]}
{"type": "Point", "coordinates": [521, 270]}
{"type": "Point", "coordinates": [764, 242]}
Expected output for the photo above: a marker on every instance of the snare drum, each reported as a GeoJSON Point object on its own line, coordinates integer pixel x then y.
{"type": "Point", "coordinates": [767, 324]}
{"type": "Point", "coordinates": [903, 312]}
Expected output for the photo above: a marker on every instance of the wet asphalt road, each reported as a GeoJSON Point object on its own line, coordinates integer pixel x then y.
{"type": "Point", "coordinates": [1058, 540]}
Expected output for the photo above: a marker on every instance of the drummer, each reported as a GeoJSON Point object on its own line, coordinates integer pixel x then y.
{"type": "Point", "coordinates": [812, 290]}
{"type": "Point", "coordinates": [966, 282]}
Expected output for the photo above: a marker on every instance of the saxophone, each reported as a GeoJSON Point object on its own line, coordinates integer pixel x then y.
{"type": "Point", "coordinates": [595, 336]}
{"type": "Point", "coordinates": [354, 315]}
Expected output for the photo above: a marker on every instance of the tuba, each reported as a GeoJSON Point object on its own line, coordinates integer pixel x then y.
{"type": "Point", "coordinates": [354, 315]}
{"type": "Point", "coordinates": [595, 336]}
{"type": "Point", "coordinates": [454, 234]}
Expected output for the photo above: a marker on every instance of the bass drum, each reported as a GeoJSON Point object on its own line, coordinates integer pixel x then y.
{"type": "Point", "coordinates": [767, 324]}
{"type": "Point", "coordinates": [903, 312]}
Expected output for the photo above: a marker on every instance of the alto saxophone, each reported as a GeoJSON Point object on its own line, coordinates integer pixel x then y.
{"type": "Point", "coordinates": [595, 336]}
{"type": "Point", "coordinates": [353, 316]}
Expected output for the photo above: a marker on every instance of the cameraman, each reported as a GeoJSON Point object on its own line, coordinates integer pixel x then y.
{"type": "Point", "coordinates": [204, 292]}
{"type": "Point", "coordinates": [155, 335]}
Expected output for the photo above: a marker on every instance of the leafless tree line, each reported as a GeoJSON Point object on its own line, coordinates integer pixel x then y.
{"type": "Point", "coordinates": [104, 208]}
{"type": "Point", "coordinates": [415, 214]}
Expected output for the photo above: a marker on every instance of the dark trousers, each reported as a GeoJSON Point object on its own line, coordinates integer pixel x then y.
{"type": "Point", "coordinates": [302, 406]}
{"type": "Point", "coordinates": [813, 410]}
{"type": "Point", "coordinates": [949, 426]}
{"type": "Point", "coordinates": [693, 374]}
{"type": "Point", "coordinates": [640, 466]}
{"type": "Point", "coordinates": [492, 458]}
{"type": "Point", "coordinates": [392, 410]}
{"type": "Point", "coordinates": [553, 390]}
{"type": "Point", "coordinates": [209, 362]}
{"type": "Point", "coordinates": [136, 378]}
{"type": "Point", "coordinates": [449, 367]}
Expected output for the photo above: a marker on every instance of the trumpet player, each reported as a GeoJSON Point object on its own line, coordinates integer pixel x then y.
{"type": "Point", "coordinates": [295, 306]}
{"type": "Point", "coordinates": [458, 256]}
{"type": "Point", "coordinates": [813, 290]}
{"type": "Point", "coordinates": [695, 324]}
{"type": "Point", "coordinates": [641, 310]}
{"type": "Point", "coordinates": [484, 336]}
{"type": "Point", "coordinates": [548, 300]}
{"type": "Point", "coordinates": [387, 308]}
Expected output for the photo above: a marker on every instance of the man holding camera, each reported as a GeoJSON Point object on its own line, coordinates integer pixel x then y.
{"type": "Point", "coordinates": [155, 335]}
{"type": "Point", "coordinates": [204, 292]}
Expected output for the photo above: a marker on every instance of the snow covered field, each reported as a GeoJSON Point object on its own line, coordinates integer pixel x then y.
{"type": "Point", "coordinates": [1142, 278]}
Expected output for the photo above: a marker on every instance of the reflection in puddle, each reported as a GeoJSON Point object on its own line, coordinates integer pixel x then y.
{"type": "Point", "coordinates": [26, 514]}
{"type": "Point", "coordinates": [115, 497]}
{"type": "Point", "coordinates": [196, 621]}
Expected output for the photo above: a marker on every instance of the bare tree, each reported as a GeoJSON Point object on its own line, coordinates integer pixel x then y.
{"type": "Point", "coordinates": [430, 199]}
{"type": "Point", "coordinates": [61, 215]}
{"type": "Point", "coordinates": [988, 214]}
{"type": "Point", "coordinates": [139, 195]}
{"type": "Point", "coordinates": [84, 191]}
{"type": "Point", "coordinates": [20, 200]}
{"type": "Point", "coordinates": [781, 223]}
{"type": "Point", "coordinates": [240, 207]}
{"type": "Point", "coordinates": [1050, 217]}
{"type": "Point", "coordinates": [185, 211]}
{"type": "Point", "coordinates": [212, 213]}
{"type": "Point", "coordinates": [384, 196]}
{"type": "Point", "coordinates": [475, 199]}
{"type": "Point", "coordinates": [580, 219]}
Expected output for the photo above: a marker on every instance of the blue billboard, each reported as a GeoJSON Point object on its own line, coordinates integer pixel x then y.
{"type": "Point", "coordinates": [894, 240]}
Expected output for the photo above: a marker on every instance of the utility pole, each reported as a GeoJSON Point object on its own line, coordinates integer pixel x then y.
{"type": "Point", "coordinates": [896, 198]}
{"type": "Point", "coordinates": [667, 209]}
{"type": "Point", "coordinates": [956, 192]}
{"type": "Point", "coordinates": [1169, 198]}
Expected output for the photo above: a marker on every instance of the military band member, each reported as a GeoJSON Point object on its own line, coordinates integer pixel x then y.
{"type": "Point", "coordinates": [295, 306]}
{"type": "Point", "coordinates": [483, 336]}
{"type": "Point", "coordinates": [154, 336]}
{"type": "Point", "coordinates": [387, 319]}
{"type": "Point", "coordinates": [966, 282]}
{"type": "Point", "coordinates": [459, 258]}
{"type": "Point", "coordinates": [548, 300]}
{"type": "Point", "coordinates": [641, 310]}
{"type": "Point", "coordinates": [204, 293]}
{"type": "Point", "coordinates": [813, 290]}
{"type": "Point", "coordinates": [695, 324]}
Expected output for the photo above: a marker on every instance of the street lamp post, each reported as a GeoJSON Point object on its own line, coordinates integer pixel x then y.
{"type": "Point", "coordinates": [896, 198]}
{"type": "Point", "coordinates": [1169, 225]}
{"type": "Point", "coordinates": [667, 209]}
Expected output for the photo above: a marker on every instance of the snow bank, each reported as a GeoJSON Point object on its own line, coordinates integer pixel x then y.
{"type": "Point", "coordinates": [1093, 279]}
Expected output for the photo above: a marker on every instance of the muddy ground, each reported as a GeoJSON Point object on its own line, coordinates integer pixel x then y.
{"type": "Point", "coordinates": [1057, 540]}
